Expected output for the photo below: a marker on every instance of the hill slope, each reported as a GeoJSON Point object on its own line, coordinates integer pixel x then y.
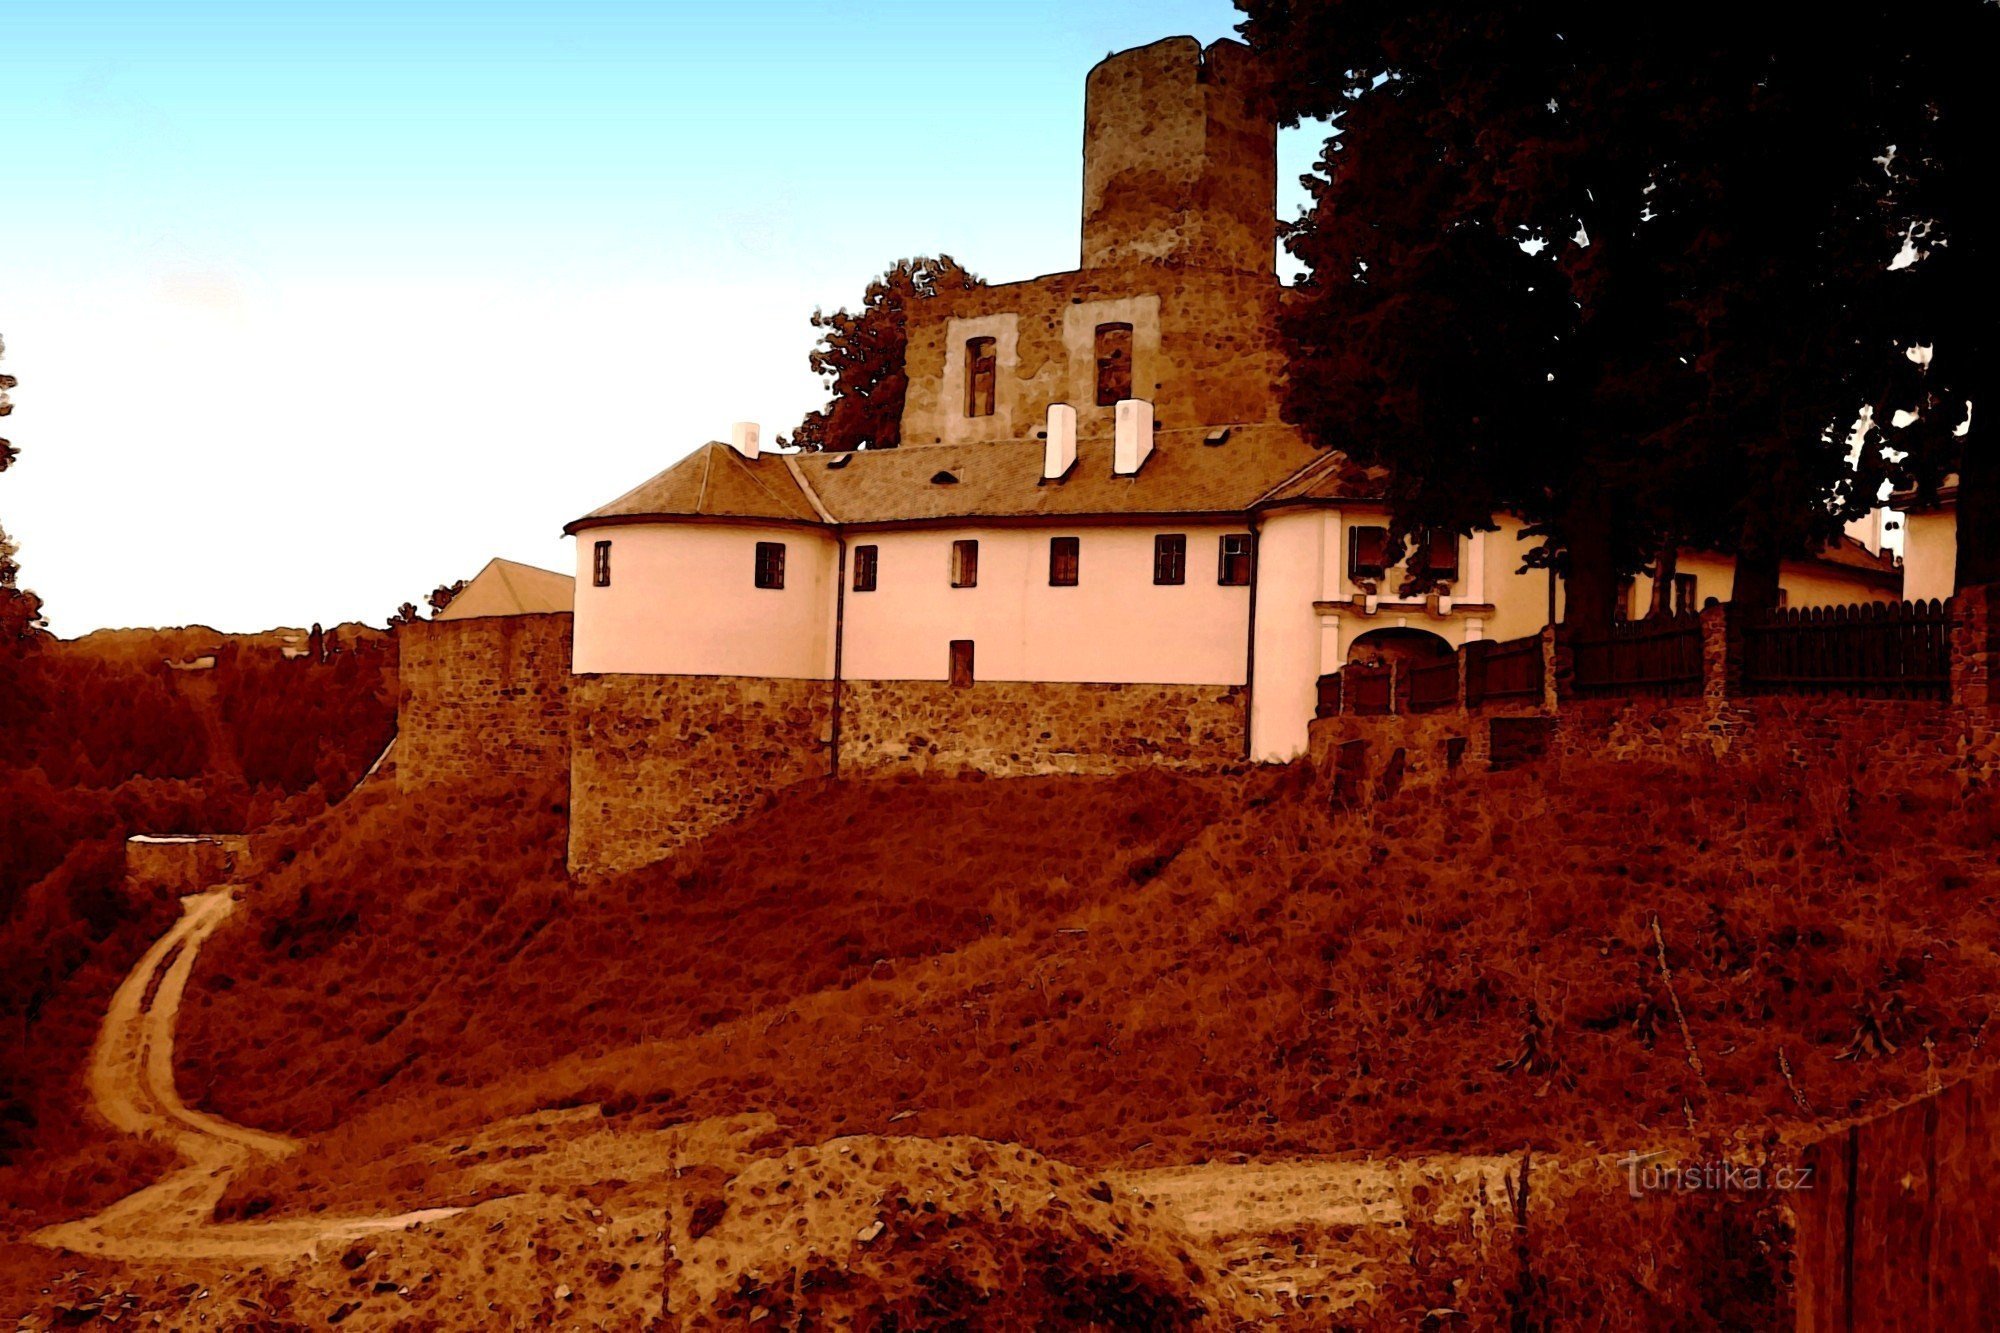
{"type": "Point", "coordinates": [1139, 971]}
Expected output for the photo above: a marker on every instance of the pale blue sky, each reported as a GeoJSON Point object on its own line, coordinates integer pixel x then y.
{"type": "Point", "coordinates": [317, 305]}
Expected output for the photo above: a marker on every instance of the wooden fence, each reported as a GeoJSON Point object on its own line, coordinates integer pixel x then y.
{"type": "Point", "coordinates": [1660, 656]}
{"type": "Point", "coordinates": [1899, 1225]}
{"type": "Point", "coordinates": [1510, 670]}
{"type": "Point", "coordinates": [1368, 689]}
{"type": "Point", "coordinates": [1491, 673]}
{"type": "Point", "coordinates": [1430, 685]}
{"type": "Point", "coordinates": [1891, 650]}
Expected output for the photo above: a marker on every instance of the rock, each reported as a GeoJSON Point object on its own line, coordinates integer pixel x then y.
{"type": "Point", "coordinates": [341, 1311]}
{"type": "Point", "coordinates": [562, 1292]}
{"type": "Point", "coordinates": [869, 1232]}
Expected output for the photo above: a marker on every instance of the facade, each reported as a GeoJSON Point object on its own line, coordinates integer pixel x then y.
{"type": "Point", "coordinates": [1930, 543]}
{"type": "Point", "coordinates": [1100, 545]}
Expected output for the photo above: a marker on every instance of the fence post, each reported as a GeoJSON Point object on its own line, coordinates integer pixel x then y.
{"type": "Point", "coordinates": [1721, 652]}
{"type": "Point", "coordinates": [1558, 668]}
{"type": "Point", "coordinates": [1972, 646]}
{"type": "Point", "coordinates": [1471, 668]}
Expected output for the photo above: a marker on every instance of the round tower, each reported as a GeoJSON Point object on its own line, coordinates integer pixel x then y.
{"type": "Point", "coordinates": [1179, 165]}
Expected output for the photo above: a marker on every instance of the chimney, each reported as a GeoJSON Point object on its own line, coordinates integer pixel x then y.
{"type": "Point", "coordinates": [743, 439]}
{"type": "Point", "coordinates": [1134, 436]}
{"type": "Point", "coordinates": [1059, 454]}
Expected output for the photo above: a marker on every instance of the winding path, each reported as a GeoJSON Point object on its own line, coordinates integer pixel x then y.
{"type": "Point", "coordinates": [131, 1084]}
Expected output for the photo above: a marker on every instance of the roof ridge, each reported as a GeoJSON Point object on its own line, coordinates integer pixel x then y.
{"type": "Point", "coordinates": [812, 497]}
{"type": "Point", "coordinates": [1324, 461]}
{"type": "Point", "coordinates": [707, 465]}
{"type": "Point", "coordinates": [744, 465]}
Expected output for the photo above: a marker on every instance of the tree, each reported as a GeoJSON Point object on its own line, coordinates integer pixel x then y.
{"type": "Point", "coordinates": [442, 596]}
{"type": "Point", "coordinates": [1698, 193]}
{"type": "Point", "coordinates": [1935, 373]}
{"type": "Point", "coordinates": [406, 614]}
{"type": "Point", "coordinates": [860, 357]}
{"type": "Point", "coordinates": [21, 620]}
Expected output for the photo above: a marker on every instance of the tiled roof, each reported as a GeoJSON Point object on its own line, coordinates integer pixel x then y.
{"type": "Point", "coordinates": [1847, 553]}
{"type": "Point", "coordinates": [917, 483]}
{"type": "Point", "coordinates": [1184, 474]}
{"type": "Point", "coordinates": [713, 482]}
{"type": "Point", "coordinates": [509, 588]}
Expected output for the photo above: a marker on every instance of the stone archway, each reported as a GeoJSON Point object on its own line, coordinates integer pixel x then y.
{"type": "Point", "coordinates": [1398, 644]}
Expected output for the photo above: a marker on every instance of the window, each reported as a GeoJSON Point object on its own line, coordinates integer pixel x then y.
{"type": "Point", "coordinates": [1114, 363]}
{"type": "Point", "coordinates": [1684, 594]}
{"type": "Point", "coordinates": [1441, 557]}
{"type": "Point", "coordinates": [600, 565]}
{"type": "Point", "coordinates": [981, 361]}
{"type": "Point", "coordinates": [770, 564]}
{"type": "Point", "coordinates": [1170, 558]}
{"type": "Point", "coordinates": [1367, 554]}
{"type": "Point", "coordinates": [864, 568]}
{"type": "Point", "coordinates": [965, 564]}
{"type": "Point", "coordinates": [961, 663]}
{"type": "Point", "coordinates": [1235, 561]}
{"type": "Point", "coordinates": [1063, 561]}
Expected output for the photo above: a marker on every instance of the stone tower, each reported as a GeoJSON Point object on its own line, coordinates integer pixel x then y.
{"type": "Point", "coordinates": [1179, 166]}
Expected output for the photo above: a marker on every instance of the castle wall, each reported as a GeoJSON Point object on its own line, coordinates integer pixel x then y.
{"type": "Point", "coordinates": [683, 599]}
{"type": "Point", "coordinates": [1011, 729]}
{"type": "Point", "coordinates": [484, 697]}
{"type": "Point", "coordinates": [1116, 624]}
{"type": "Point", "coordinates": [1205, 351]}
{"type": "Point", "coordinates": [658, 761]}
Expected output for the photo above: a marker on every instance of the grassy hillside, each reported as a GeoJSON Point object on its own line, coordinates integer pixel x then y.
{"type": "Point", "coordinates": [1132, 972]}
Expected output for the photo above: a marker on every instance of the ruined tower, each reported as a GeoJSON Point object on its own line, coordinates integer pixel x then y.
{"type": "Point", "coordinates": [1179, 165]}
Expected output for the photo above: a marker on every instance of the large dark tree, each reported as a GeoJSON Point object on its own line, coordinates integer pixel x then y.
{"type": "Point", "coordinates": [1706, 309]}
{"type": "Point", "coordinates": [860, 356]}
{"type": "Point", "coordinates": [1940, 303]}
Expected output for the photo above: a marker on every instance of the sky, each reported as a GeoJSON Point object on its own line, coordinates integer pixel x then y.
{"type": "Point", "coordinates": [318, 306]}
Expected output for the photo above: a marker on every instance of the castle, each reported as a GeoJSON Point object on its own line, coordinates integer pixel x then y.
{"type": "Point", "coordinates": [1099, 545]}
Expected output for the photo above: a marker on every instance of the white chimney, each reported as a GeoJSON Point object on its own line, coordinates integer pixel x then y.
{"type": "Point", "coordinates": [1059, 454]}
{"type": "Point", "coordinates": [743, 438]}
{"type": "Point", "coordinates": [1134, 438]}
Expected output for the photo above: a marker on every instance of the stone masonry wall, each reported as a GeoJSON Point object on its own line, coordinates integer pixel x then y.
{"type": "Point", "coordinates": [486, 696]}
{"type": "Point", "coordinates": [657, 761]}
{"type": "Point", "coordinates": [1013, 728]}
{"type": "Point", "coordinates": [175, 864]}
{"type": "Point", "coordinates": [1179, 166]}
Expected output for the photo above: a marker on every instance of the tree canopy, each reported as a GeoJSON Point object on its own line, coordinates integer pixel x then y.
{"type": "Point", "coordinates": [860, 357]}
{"type": "Point", "coordinates": [1627, 273]}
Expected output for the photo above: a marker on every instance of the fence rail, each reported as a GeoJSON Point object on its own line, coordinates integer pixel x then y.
{"type": "Point", "coordinates": [1894, 650]}
{"type": "Point", "coordinates": [1659, 656]}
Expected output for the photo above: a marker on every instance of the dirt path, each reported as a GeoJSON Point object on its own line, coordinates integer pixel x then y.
{"type": "Point", "coordinates": [131, 1083]}
{"type": "Point", "coordinates": [1294, 1233]}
